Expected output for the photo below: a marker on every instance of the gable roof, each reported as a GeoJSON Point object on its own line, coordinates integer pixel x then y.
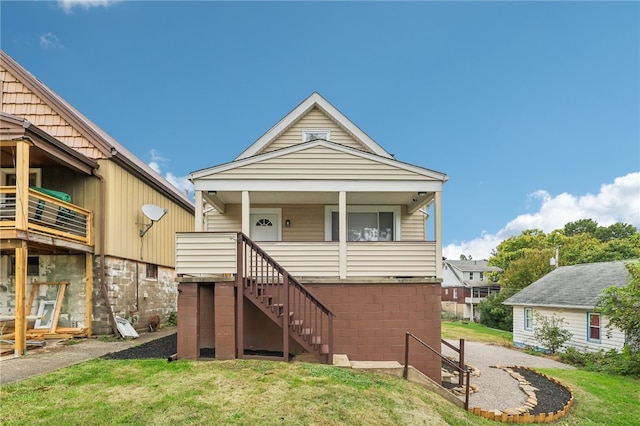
{"type": "Point", "coordinates": [304, 146]}
{"type": "Point", "coordinates": [108, 147]}
{"type": "Point", "coordinates": [453, 272]}
{"type": "Point", "coordinates": [576, 286]}
{"type": "Point", "coordinates": [313, 101]}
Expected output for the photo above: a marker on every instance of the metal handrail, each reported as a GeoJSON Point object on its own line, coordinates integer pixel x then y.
{"type": "Point", "coordinates": [460, 352]}
{"type": "Point", "coordinates": [405, 373]}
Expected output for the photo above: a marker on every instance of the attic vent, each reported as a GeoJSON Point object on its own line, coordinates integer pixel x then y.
{"type": "Point", "coordinates": [311, 135]}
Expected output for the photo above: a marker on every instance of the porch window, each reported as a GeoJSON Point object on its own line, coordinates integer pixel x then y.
{"type": "Point", "coordinates": [594, 327]}
{"type": "Point", "coordinates": [33, 266]}
{"type": "Point", "coordinates": [8, 177]}
{"type": "Point", "coordinates": [366, 226]}
{"type": "Point", "coordinates": [528, 318]}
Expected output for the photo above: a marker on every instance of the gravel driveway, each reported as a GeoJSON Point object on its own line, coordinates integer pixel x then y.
{"type": "Point", "coordinates": [497, 389]}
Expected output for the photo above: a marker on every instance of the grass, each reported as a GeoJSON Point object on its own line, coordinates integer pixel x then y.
{"type": "Point", "coordinates": [476, 333]}
{"type": "Point", "coordinates": [154, 392]}
{"type": "Point", "coordinates": [249, 392]}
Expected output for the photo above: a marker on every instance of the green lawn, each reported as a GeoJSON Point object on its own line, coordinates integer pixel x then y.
{"type": "Point", "coordinates": [249, 392]}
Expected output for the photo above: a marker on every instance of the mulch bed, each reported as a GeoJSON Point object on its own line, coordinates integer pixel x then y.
{"type": "Point", "coordinates": [159, 348]}
{"type": "Point", "coordinates": [551, 396]}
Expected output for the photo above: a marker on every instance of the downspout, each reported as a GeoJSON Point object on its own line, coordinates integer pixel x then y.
{"type": "Point", "coordinates": [103, 283]}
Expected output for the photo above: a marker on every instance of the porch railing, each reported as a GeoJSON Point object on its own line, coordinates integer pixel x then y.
{"type": "Point", "coordinates": [47, 215]}
{"type": "Point", "coordinates": [302, 316]}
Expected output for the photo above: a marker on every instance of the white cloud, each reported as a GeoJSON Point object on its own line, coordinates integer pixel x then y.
{"type": "Point", "coordinates": [50, 41]}
{"type": "Point", "coordinates": [68, 5]}
{"type": "Point", "coordinates": [616, 202]}
{"type": "Point", "coordinates": [180, 182]}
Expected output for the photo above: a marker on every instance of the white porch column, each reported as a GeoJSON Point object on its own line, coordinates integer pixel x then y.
{"type": "Point", "coordinates": [199, 225]}
{"type": "Point", "coordinates": [342, 233]}
{"type": "Point", "coordinates": [246, 213]}
{"type": "Point", "coordinates": [437, 229]}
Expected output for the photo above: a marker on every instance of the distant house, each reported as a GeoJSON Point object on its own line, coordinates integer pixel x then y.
{"type": "Point", "coordinates": [317, 207]}
{"type": "Point", "coordinates": [570, 292]}
{"type": "Point", "coordinates": [74, 253]}
{"type": "Point", "coordinates": [465, 283]}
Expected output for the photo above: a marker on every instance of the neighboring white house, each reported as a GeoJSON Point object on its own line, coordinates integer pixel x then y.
{"type": "Point", "coordinates": [465, 283]}
{"type": "Point", "coordinates": [570, 292]}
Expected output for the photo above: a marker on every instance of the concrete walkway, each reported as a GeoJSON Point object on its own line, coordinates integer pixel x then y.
{"type": "Point", "coordinates": [56, 355]}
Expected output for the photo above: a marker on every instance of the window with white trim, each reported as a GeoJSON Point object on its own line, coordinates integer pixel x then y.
{"type": "Point", "coordinates": [310, 135]}
{"type": "Point", "coordinates": [471, 276]}
{"type": "Point", "coordinates": [593, 330]}
{"type": "Point", "coordinates": [528, 318]}
{"type": "Point", "coordinates": [365, 223]}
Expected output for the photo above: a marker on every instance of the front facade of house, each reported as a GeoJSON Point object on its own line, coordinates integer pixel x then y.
{"type": "Point", "coordinates": [343, 218]}
{"type": "Point", "coordinates": [465, 284]}
{"type": "Point", "coordinates": [570, 292]}
{"type": "Point", "coordinates": [71, 221]}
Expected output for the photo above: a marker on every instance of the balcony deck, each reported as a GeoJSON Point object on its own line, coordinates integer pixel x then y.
{"type": "Point", "coordinates": [214, 253]}
{"type": "Point", "coordinates": [46, 216]}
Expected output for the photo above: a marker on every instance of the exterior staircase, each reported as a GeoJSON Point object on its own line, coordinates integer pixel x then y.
{"type": "Point", "coordinates": [286, 302]}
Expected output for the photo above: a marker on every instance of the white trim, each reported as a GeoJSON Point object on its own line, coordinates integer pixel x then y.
{"type": "Point", "coordinates": [306, 132]}
{"type": "Point", "coordinates": [320, 185]}
{"type": "Point", "coordinates": [396, 210]}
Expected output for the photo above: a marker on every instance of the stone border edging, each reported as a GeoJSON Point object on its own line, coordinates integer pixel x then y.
{"type": "Point", "coordinates": [521, 414]}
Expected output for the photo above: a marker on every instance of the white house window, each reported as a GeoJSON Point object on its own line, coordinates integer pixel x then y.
{"type": "Point", "coordinates": [366, 223]}
{"type": "Point", "coordinates": [8, 177]}
{"type": "Point", "coordinates": [481, 276]}
{"type": "Point", "coordinates": [528, 318]}
{"type": "Point", "coordinates": [455, 293]}
{"type": "Point", "coordinates": [594, 327]}
{"type": "Point", "coordinates": [310, 135]}
{"type": "Point", "coordinates": [471, 276]}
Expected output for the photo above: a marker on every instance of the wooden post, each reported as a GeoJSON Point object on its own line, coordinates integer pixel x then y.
{"type": "Point", "coordinates": [240, 297]}
{"type": "Point", "coordinates": [22, 185]}
{"type": "Point", "coordinates": [285, 319]}
{"type": "Point", "coordinates": [21, 291]}
{"type": "Point", "coordinates": [88, 296]}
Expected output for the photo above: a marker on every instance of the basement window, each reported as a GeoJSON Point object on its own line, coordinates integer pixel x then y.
{"type": "Point", "coordinates": [33, 266]}
{"type": "Point", "coordinates": [152, 271]}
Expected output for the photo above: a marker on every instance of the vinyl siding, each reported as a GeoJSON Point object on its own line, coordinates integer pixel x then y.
{"type": "Point", "coordinates": [575, 323]}
{"type": "Point", "coordinates": [316, 163]}
{"type": "Point", "coordinates": [125, 195]}
{"type": "Point", "coordinates": [18, 100]}
{"type": "Point", "coordinates": [412, 226]}
{"type": "Point", "coordinates": [397, 259]}
{"type": "Point", "coordinates": [313, 120]}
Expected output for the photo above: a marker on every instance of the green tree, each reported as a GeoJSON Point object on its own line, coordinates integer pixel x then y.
{"type": "Point", "coordinates": [621, 305]}
{"type": "Point", "coordinates": [494, 314]}
{"type": "Point", "coordinates": [582, 226]}
{"type": "Point", "coordinates": [549, 331]}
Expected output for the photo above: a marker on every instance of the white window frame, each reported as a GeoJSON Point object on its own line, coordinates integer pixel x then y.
{"type": "Point", "coordinates": [307, 132]}
{"type": "Point", "coordinates": [528, 320]}
{"type": "Point", "coordinates": [396, 210]}
{"type": "Point", "coordinates": [4, 173]}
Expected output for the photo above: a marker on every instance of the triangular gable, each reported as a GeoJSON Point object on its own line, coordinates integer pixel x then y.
{"type": "Point", "coordinates": [320, 159]}
{"type": "Point", "coordinates": [318, 103]}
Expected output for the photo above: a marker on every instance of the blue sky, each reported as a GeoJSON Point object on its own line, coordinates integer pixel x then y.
{"type": "Point", "coordinates": [531, 108]}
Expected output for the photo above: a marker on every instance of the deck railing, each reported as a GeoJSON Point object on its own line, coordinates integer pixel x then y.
{"type": "Point", "coordinates": [46, 215]}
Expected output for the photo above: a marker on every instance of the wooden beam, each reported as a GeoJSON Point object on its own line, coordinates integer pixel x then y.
{"type": "Point", "coordinates": [88, 293]}
{"type": "Point", "coordinates": [216, 202]}
{"type": "Point", "coordinates": [21, 290]}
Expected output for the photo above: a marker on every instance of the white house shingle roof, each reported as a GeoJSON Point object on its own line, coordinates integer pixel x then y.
{"type": "Point", "coordinates": [576, 286]}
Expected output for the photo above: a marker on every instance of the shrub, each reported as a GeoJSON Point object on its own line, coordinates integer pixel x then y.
{"type": "Point", "coordinates": [494, 314]}
{"type": "Point", "coordinates": [624, 363]}
{"type": "Point", "coordinates": [550, 333]}
{"type": "Point", "coordinates": [172, 318]}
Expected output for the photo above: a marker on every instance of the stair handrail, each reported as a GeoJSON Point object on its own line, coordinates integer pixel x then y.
{"type": "Point", "coordinates": [244, 238]}
{"type": "Point", "coordinates": [461, 371]}
{"type": "Point", "coordinates": [460, 352]}
{"type": "Point", "coordinates": [287, 281]}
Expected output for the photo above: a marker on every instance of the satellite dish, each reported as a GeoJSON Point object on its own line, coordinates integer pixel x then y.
{"type": "Point", "coordinates": [153, 213]}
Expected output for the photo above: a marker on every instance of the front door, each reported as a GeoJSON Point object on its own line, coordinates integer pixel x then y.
{"type": "Point", "coordinates": [265, 227]}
